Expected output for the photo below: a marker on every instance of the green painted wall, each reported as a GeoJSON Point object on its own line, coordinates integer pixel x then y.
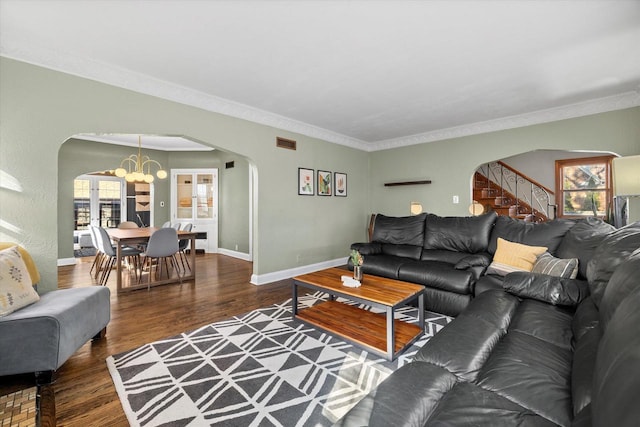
{"type": "Point", "coordinates": [234, 204]}
{"type": "Point", "coordinates": [40, 109]}
{"type": "Point", "coordinates": [450, 164]}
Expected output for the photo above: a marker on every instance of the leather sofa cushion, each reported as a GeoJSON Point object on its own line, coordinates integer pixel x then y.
{"type": "Point", "coordinates": [584, 362]}
{"type": "Point", "coordinates": [470, 405]}
{"type": "Point", "coordinates": [462, 234]}
{"type": "Point", "coordinates": [533, 373]}
{"type": "Point", "coordinates": [464, 345]}
{"type": "Point", "coordinates": [545, 322]}
{"type": "Point", "coordinates": [407, 230]}
{"type": "Point", "coordinates": [611, 252]}
{"type": "Point", "coordinates": [624, 281]}
{"type": "Point", "coordinates": [400, 400]}
{"type": "Point", "coordinates": [382, 265]}
{"type": "Point", "coordinates": [440, 275]}
{"type": "Point", "coordinates": [547, 234]}
{"type": "Point", "coordinates": [585, 318]}
{"type": "Point", "coordinates": [488, 282]}
{"type": "Point", "coordinates": [460, 260]}
{"type": "Point", "coordinates": [616, 384]}
{"type": "Point", "coordinates": [549, 289]}
{"type": "Point", "coordinates": [406, 251]}
{"type": "Point", "coordinates": [445, 302]}
{"type": "Point", "coordinates": [582, 240]}
{"type": "Point", "coordinates": [450, 257]}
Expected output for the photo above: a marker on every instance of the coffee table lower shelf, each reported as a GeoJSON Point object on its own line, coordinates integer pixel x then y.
{"type": "Point", "coordinates": [360, 326]}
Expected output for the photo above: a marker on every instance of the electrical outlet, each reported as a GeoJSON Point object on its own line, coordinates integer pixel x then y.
{"type": "Point", "coordinates": [456, 199]}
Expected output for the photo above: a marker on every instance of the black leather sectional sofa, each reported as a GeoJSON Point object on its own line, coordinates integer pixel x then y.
{"type": "Point", "coordinates": [450, 255]}
{"type": "Point", "coordinates": [530, 349]}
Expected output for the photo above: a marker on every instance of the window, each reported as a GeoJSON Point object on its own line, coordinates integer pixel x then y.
{"type": "Point", "coordinates": [98, 201]}
{"type": "Point", "coordinates": [583, 187]}
{"type": "Point", "coordinates": [81, 203]}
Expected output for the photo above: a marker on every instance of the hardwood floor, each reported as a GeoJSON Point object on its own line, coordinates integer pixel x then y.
{"type": "Point", "coordinates": [84, 391]}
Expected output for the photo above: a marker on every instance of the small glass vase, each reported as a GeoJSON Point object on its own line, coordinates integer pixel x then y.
{"type": "Point", "coordinates": [357, 272]}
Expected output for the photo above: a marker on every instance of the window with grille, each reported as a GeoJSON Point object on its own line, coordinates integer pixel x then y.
{"type": "Point", "coordinates": [584, 187]}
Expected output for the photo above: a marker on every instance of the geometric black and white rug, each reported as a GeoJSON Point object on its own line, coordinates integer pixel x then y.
{"type": "Point", "coordinates": [261, 368]}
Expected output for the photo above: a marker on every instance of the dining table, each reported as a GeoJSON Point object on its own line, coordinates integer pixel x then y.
{"type": "Point", "coordinates": [123, 237]}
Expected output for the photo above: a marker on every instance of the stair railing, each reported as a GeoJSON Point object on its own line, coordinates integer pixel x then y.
{"type": "Point", "coordinates": [527, 191]}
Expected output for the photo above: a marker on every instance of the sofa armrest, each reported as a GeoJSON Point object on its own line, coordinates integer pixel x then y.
{"type": "Point", "coordinates": [549, 289]}
{"type": "Point", "coordinates": [372, 248]}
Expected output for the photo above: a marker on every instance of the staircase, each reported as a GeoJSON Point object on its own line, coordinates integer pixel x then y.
{"type": "Point", "coordinates": [501, 188]}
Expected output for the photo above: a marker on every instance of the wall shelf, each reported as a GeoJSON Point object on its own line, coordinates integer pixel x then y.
{"type": "Point", "coordinates": [395, 184]}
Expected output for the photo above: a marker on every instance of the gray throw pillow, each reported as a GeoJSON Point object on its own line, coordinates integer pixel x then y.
{"type": "Point", "coordinates": [548, 264]}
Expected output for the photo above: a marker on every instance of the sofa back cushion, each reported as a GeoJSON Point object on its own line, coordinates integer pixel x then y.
{"type": "Point", "coordinates": [547, 234]}
{"type": "Point", "coordinates": [616, 384]}
{"type": "Point", "coordinates": [407, 230]}
{"type": "Point", "coordinates": [624, 281]}
{"type": "Point", "coordinates": [461, 234]}
{"type": "Point", "coordinates": [614, 249]}
{"type": "Point", "coordinates": [582, 240]}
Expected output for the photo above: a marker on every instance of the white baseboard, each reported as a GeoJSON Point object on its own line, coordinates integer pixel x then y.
{"type": "Point", "coordinates": [263, 279]}
{"type": "Point", "coordinates": [66, 261]}
{"type": "Point", "coordinates": [234, 254]}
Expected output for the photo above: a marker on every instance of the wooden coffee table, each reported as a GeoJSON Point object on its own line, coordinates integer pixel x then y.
{"type": "Point", "coordinates": [379, 333]}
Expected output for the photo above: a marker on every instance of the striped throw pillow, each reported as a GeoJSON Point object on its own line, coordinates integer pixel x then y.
{"type": "Point", "coordinates": [511, 256]}
{"type": "Point", "coordinates": [552, 266]}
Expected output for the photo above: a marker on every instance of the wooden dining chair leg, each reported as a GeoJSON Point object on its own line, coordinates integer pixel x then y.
{"type": "Point", "coordinates": [175, 263]}
{"type": "Point", "coordinates": [107, 271]}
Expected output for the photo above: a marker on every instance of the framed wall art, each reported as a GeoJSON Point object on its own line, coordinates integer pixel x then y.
{"type": "Point", "coordinates": [305, 182]}
{"type": "Point", "coordinates": [340, 184]}
{"type": "Point", "coordinates": [324, 183]}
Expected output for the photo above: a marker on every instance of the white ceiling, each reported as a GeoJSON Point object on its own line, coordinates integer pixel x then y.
{"type": "Point", "coordinates": [367, 74]}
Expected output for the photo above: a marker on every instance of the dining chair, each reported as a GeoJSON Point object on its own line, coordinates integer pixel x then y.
{"type": "Point", "coordinates": [97, 261]}
{"type": "Point", "coordinates": [177, 226]}
{"type": "Point", "coordinates": [128, 224]}
{"type": "Point", "coordinates": [182, 246]}
{"type": "Point", "coordinates": [162, 244]}
{"type": "Point", "coordinates": [166, 224]}
{"type": "Point", "coordinates": [109, 251]}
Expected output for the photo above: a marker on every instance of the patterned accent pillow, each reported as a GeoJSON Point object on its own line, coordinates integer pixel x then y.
{"type": "Point", "coordinates": [16, 288]}
{"type": "Point", "coordinates": [511, 256]}
{"type": "Point", "coordinates": [552, 266]}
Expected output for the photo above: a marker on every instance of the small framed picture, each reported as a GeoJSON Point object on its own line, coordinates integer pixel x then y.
{"type": "Point", "coordinates": [305, 182]}
{"type": "Point", "coordinates": [340, 184]}
{"type": "Point", "coordinates": [324, 183]}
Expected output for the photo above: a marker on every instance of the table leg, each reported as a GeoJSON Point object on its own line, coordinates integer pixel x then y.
{"type": "Point", "coordinates": [119, 266]}
{"type": "Point", "coordinates": [390, 333]}
{"type": "Point", "coordinates": [294, 300]}
{"type": "Point", "coordinates": [421, 311]}
{"type": "Point", "coordinates": [193, 257]}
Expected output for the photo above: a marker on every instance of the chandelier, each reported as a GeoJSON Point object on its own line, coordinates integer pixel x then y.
{"type": "Point", "coordinates": [139, 162]}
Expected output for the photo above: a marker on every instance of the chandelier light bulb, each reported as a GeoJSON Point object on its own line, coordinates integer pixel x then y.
{"type": "Point", "coordinates": [139, 162]}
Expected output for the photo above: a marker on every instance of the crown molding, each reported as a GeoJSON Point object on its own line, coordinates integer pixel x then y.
{"type": "Point", "coordinates": [601, 105]}
{"type": "Point", "coordinates": [142, 83]}
{"type": "Point", "coordinates": [138, 82]}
